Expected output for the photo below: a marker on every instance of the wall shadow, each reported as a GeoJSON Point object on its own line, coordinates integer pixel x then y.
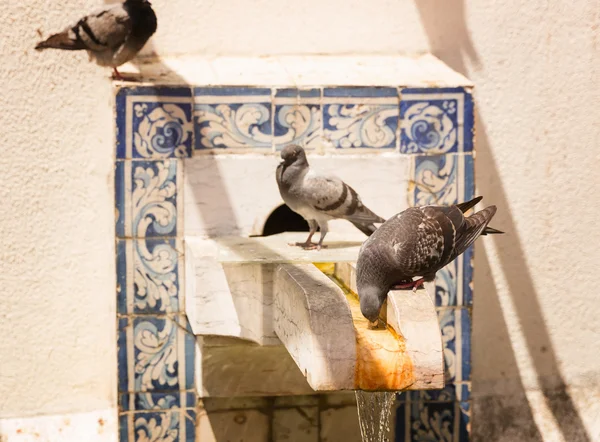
{"type": "Point", "coordinates": [501, 417]}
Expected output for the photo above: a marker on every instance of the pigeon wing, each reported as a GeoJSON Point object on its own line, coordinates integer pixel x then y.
{"type": "Point", "coordinates": [471, 229]}
{"type": "Point", "coordinates": [423, 240]}
{"type": "Point", "coordinates": [330, 195]}
{"type": "Point", "coordinates": [105, 30]}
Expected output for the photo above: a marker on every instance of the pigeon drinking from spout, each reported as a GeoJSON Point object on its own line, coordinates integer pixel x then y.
{"type": "Point", "coordinates": [111, 37]}
{"type": "Point", "coordinates": [318, 198]}
{"type": "Point", "coordinates": [416, 242]}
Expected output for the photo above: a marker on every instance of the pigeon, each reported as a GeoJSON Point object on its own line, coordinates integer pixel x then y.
{"type": "Point", "coordinates": [416, 242]}
{"type": "Point", "coordinates": [318, 198]}
{"type": "Point", "coordinates": [111, 37]}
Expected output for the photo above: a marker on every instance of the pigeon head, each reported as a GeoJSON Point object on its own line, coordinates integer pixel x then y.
{"type": "Point", "coordinates": [293, 153]}
{"type": "Point", "coordinates": [371, 300]}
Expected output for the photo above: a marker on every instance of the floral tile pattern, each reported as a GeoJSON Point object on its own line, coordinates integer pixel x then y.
{"type": "Point", "coordinates": [156, 349]}
{"type": "Point", "coordinates": [360, 117]}
{"type": "Point", "coordinates": [435, 416]}
{"type": "Point", "coordinates": [157, 401]}
{"type": "Point", "coordinates": [233, 117]}
{"type": "Point", "coordinates": [297, 118]}
{"type": "Point", "coordinates": [152, 280]}
{"type": "Point", "coordinates": [455, 325]}
{"type": "Point", "coordinates": [147, 199]}
{"type": "Point", "coordinates": [164, 426]}
{"type": "Point", "coordinates": [436, 121]}
{"type": "Point", "coordinates": [154, 123]}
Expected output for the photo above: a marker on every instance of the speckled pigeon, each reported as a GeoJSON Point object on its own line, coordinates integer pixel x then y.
{"type": "Point", "coordinates": [111, 37]}
{"type": "Point", "coordinates": [416, 242]}
{"type": "Point", "coordinates": [318, 198]}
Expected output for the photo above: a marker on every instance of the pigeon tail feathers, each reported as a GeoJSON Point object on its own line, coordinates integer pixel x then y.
{"type": "Point", "coordinates": [491, 231]}
{"type": "Point", "coordinates": [468, 204]}
{"type": "Point", "coordinates": [367, 229]}
{"type": "Point", "coordinates": [61, 41]}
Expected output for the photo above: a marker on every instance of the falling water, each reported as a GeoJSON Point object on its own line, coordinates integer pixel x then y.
{"type": "Point", "coordinates": [374, 409]}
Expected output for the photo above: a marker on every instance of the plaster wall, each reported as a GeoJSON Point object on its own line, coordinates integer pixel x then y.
{"type": "Point", "coordinates": [537, 75]}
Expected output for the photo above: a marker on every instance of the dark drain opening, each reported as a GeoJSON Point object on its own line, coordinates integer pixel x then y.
{"type": "Point", "coordinates": [283, 219]}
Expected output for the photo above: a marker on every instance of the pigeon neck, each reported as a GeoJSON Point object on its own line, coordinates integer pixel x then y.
{"type": "Point", "coordinates": [292, 173]}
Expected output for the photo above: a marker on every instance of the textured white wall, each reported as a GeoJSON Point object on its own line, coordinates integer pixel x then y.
{"type": "Point", "coordinates": [537, 74]}
{"type": "Point", "coordinates": [57, 283]}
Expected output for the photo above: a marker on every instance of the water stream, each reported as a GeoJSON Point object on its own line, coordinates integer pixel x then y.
{"type": "Point", "coordinates": [374, 409]}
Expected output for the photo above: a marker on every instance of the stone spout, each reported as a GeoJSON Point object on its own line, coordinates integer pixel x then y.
{"type": "Point", "coordinates": [270, 297]}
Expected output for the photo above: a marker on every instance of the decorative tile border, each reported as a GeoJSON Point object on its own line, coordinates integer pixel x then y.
{"type": "Point", "coordinates": [233, 117]}
{"type": "Point", "coordinates": [455, 325]}
{"type": "Point", "coordinates": [150, 279]}
{"type": "Point", "coordinates": [158, 125]}
{"type": "Point", "coordinates": [444, 178]}
{"type": "Point", "coordinates": [147, 198]}
{"type": "Point", "coordinates": [154, 122]}
{"type": "Point", "coordinates": [436, 121]}
{"type": "Point", "coordinates": [361, 117]}
{"type": "Point", "coordinates": [297, 118]}
{"type": "Point", "coordinates": [156, 347]}
{"type": "Point", "coordinates": [177, 425]}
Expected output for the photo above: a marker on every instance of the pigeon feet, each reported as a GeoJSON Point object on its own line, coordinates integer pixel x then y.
{"type": "Point", "coordinates": [414, 285]}
{"type": "Point", "coordinates": [116, 75]}
{"type": "Point", "coordinates": [308, 245]}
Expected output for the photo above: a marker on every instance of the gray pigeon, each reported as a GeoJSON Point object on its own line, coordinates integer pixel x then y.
{"type": "Point", "coordinates": [319, 198]}
{"type": "Point", "coordinates": [416, 242]}
{"type": "Point", "coordinates": [111, 37]}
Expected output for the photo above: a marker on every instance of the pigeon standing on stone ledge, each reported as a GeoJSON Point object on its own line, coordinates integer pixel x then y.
{"type": "Point", "coordinates": [111, 37]}
{"type": "Point", "coordinates": [416, 242]}
{"type": "Point", "coordinates": [318, 198]}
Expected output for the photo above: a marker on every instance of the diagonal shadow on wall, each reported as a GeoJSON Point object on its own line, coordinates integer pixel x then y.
{"type": "Point", "coordinates": [506, 416]}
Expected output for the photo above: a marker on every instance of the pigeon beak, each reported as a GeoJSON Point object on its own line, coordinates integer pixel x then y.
{"type": "Point", "coordinates": [283, 165]}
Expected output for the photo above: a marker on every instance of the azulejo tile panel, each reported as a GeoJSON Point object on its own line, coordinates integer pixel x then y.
{"type": "Point", "coordinates": [360, 117]}
{"type": "Point", "coordinates": [444, 180]}
{"type": "Point", "coordinates": [153, 276]}
{"type": "Point", "coordinates": [455, 326]}
{"type": "Point", "coordinates": [157, 126]}
{"type": "Point", "coordinates": [157, 401]}
{"type": "Point", "coordinates": [158, 426]}
{"type": "Point", "coordinates": [234, 117]}
{"type": "Point", "coordinates": [153, 355]}
{"type": "Point", "coordinates": [441, 179]}
{"type": "Point", "coordinates": [154, 122]}
{"type": "Point", "coordinates": [436, 121]}
{"type": "Point", "coordinates": [297, 118]}
{"type": "Point", "coordinates": [148, 199]}
{"type": "Point", "coordinates": [425, 421]}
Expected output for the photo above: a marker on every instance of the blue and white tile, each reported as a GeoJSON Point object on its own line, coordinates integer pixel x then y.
{"type": "Point", "coordinates": [149, 198]}
{"type": "Point", "coordinates": [120, 191]}
{"type": "Point", "coordinates": [297, 118]}
{"type": "Point", "coordinates": [441, 419]}
{"type": "Point", "coordinates": [441, 179]}
{"type": "Point", "coordinates": [156, 355]}
{"type": "Point", "coordinates": [436, 121]}
{"type": "Point", "coordinates": [455, 326]}
{"type": "Point", "coordinates": [360, 117]}
{"type": "Point", "coordinates": [159, 426]}
{"type": "Point", "coordinates": [233, 117]}
{"type": "Point", "coordinates": [453, 282]}
{"type": "Point", "coordinates": [157, 401]}
{"type": "Point", "coordinates": [464, 421]}
{"type": "Point", "coordinates": [450, 393]}
{"type": "Point", "coordinates": [154, 123]}
{"type": "Point", "coordinates": [150, 276]}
